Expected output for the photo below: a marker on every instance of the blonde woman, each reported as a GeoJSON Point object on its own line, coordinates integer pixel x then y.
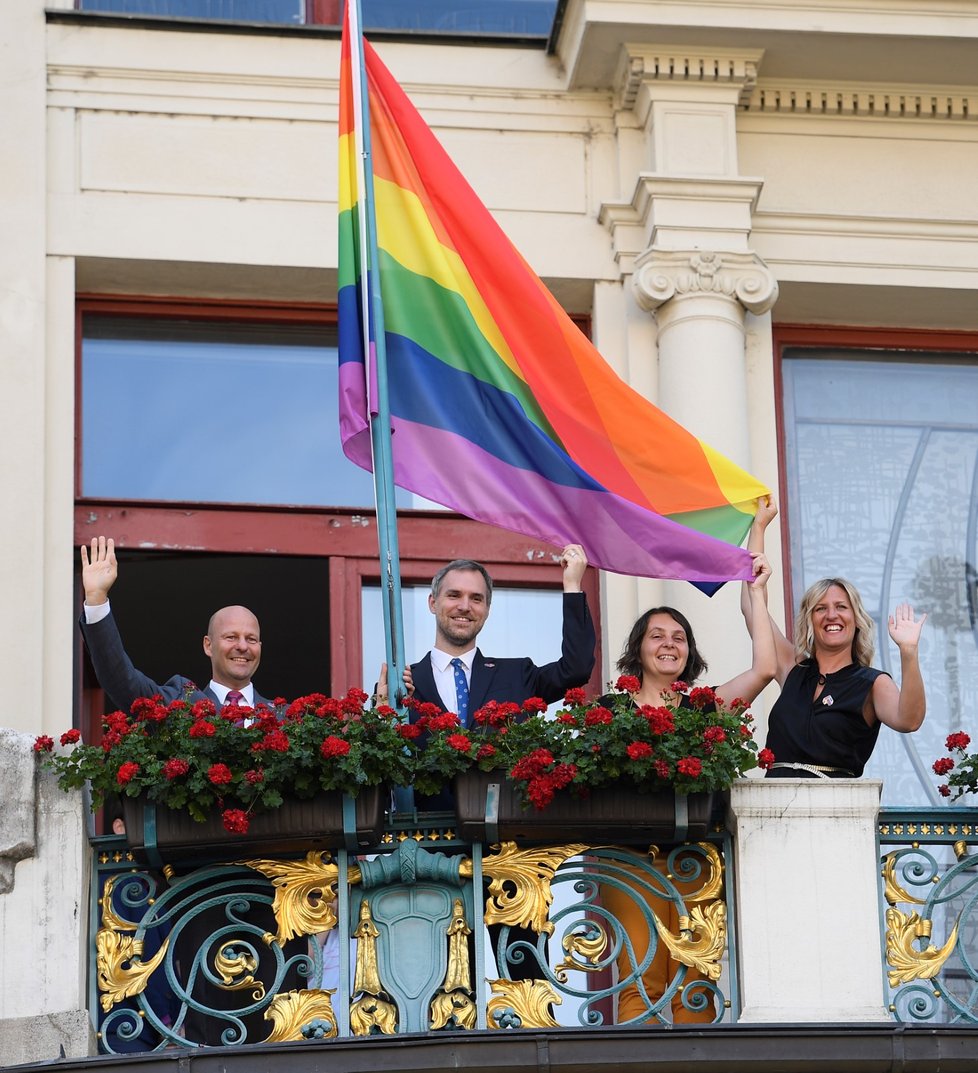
{"type": "Point", "coordinates": [833, 702]}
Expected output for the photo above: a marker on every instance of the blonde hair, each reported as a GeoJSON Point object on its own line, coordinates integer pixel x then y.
{"type": "Point", "coordinates": [864, 640]}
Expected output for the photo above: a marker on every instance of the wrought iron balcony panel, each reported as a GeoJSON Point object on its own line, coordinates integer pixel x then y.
{"type": "Point", "coordinates": [442, 937]}
{"type": "Point", "coordinates": [929, 873]}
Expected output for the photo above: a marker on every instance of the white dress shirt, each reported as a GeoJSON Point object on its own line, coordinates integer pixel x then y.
{"type": "Point", "coordinates": [444, 675]}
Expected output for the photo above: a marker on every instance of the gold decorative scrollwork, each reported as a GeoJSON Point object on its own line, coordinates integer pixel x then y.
{"type": "Point", "coordinates": [588, 945]}
{"type": "Point", "coordinates": [371, 1010]}
{"type": "Point", "coordinates": [237, 971]}
{"type": "Point", "coordinates": [453, 999]}
{"type": "Point", "coordinates": [908, 963]}
{"type": "Point", "coordinates": [701, 940]}
{"type": "Point", "coordinates": [893, 892]}
{"type": "Point", "coordinates": [529, 1000]}
{"type": "Point", "coordinates": [110, 918]}
{"type": "Point", "coordinates": [289, 1012]}
{"type": "Point", "coordinates": [455, 1006]}
{"type": "Point", "coordinates": [713, 884]}
{"type": "Point", "coordinates": [112, 952]}
{"type": "Point", "coordinates": [529, 872]}
{"type": "Point", "coordinates": [305, 894]}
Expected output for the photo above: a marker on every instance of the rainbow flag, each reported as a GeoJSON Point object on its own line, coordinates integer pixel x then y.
{"type": "Point", "coordinates": [500, 408]}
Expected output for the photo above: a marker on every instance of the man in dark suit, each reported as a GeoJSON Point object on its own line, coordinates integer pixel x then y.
{"type": "Point", "coordinates": [232, 643]}
{"type": "Point", "coordinates": [461, 595]}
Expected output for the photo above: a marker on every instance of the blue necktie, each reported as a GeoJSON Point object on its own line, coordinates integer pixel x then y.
{"type": "Point", "coordinates": [461, 692]}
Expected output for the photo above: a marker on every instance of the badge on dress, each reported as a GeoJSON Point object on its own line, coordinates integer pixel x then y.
{"type": "Point", "coordinates": [827, 701]}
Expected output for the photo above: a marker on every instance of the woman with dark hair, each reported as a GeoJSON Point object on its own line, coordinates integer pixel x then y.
{"type": "Point", "coordinates": [833, 702]}
{"type": "Point", "coordinates": [661, 650]}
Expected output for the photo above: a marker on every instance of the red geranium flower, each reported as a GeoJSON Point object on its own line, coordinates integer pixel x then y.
{"type": "Point", "coordinates": [43, 743]}
{"type": "Point", "coordinates": [690, 765]}
{"type": "Point", "coordinates": [944, 790]}
{"type": "Point", "coordinates": [409, 731]}
{"type": "Point", "coordinates": [958, 740]}
{"type": "Point", "coordinates": [235, 820]}
{"type": "Point", "coordinates": [70, 737]}
{"type": "Point", "coordinates": [486, 752]}
{"type": "Point", "coordinates": [254, 776]}
{"type": "Point", "coordinates": [219, 774]}
{"type": "Point", "coordinates": [628, 683]}
{"type": "Point", "coordinates": [598, 717]}
{"type": "Point", "coordinates": [175, 767]}
{"type": "Point", "coordinates": [574, 696]}
{"type": "Point", "coordinates": [765, 758]}
{"type": "Point", "coordinates": [943, 766]}
{"type": "Point", "coordinates": [639, 750]}
{"type": "Point", "coordinates": [127, 772]}
{"type": "Point", "coordinates": [202, 729]}
{"type": "Point", "coordinates": [334, 746]}
{"type": "Point", "coordinates": [460, 742]}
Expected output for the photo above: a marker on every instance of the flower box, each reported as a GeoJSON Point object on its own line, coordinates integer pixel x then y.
{"type": "Point", "coordinates": [295, 827]}
{"type": "Point", "coordinates": [607, 815]}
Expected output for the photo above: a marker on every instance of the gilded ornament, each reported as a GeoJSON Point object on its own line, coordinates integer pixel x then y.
{"type": "Point", "coordinates": [713, 884]}
{"type": "Point", "coordinates": [237, 971]}
{"type": "Point", "coordinates": [588, 944]}
{"type": "Point", "coordinates": [110, 918]}
{"type": "Point", "coordinates": [527, 873]}
{"type": "Point", "coordinates": [528, 1000]}
{"type": "Point", "coordinates": [305, 894]}
{"type": "Point", "coordinates": [112, 952]}
{"type": "Point", "coordinates": [893, 892]}
{"type": "Point", "coordinates": [701, 941]}
{"type": "Point", "coordinates": [456, 1007]}
{"type": "Point", "coordinates": [367, 977]}
{"type": "Point", "coordinates": [902, 931]}
{"type": "Point", "coordinates": [291, 1011]}
{"type": "Point", "coordinates": [371, 1012]}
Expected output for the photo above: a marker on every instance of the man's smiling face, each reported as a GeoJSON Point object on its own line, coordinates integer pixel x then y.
{"type": "Point", "coordinates": [233, 643]}
{"type": "Point", "coordinates": [460, 609]}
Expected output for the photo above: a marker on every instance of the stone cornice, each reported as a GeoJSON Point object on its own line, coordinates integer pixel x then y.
{"type": "Point", "coordinates": [871, 101]}
{"type": "Point", "coordinates": [642, 64]}
{"type": "Point", "coordinates": [663, 274]}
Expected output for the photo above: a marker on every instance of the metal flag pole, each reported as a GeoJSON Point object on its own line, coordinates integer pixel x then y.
{"type": "Point", "coordinates": [372, 315]}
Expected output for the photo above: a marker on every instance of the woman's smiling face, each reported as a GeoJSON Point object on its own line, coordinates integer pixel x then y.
{"type": "Point", "coordinates": [833, 621]}
{"type": "Point", "coordinates": [665, 648]}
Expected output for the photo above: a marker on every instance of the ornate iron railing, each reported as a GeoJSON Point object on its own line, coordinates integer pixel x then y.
{"type": "Point", "coordinates": [249, 951]}
{"type": "Point", "coordinates": [929, 890]}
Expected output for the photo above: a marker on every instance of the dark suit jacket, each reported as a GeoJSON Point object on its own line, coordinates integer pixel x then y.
{"type": "Point", "coordinates": [122, 682]}
{"type": "Point", "coordinates": [518, 679]}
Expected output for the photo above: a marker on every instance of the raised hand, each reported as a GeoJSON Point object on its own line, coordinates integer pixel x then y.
{"type": "Point", "coordinates": [761, 568]}
{"type": "Point", "coordinates": [99, 572]}
{"type": "Point", "coordinates": [767, 511]}
{"type": "Point", "coordinates": [904, 628]}
{"type": "Point", "coordinates": [573, 559]}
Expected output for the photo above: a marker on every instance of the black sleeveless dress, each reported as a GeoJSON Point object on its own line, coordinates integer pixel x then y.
{"type": "Point", "coordinates": [829, 730]}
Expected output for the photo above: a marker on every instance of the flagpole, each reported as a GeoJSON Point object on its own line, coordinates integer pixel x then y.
{"type": "Point", "coordinates": [378, 399]}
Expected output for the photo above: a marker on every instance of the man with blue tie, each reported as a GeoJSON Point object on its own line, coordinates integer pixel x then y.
{"type": "Point", "coordinates": [455, 674]}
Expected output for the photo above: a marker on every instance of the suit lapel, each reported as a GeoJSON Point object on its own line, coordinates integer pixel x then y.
{"type": "Point", "coordinates": [424, 681]}
{"type": "Point", "coordinates": [479, 682]}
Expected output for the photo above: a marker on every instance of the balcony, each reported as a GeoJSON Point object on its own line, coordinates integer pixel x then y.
{"type": "Point", "coordinates": [803, 926]}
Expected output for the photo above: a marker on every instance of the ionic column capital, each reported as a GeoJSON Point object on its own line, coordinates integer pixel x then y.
{"type": "Point", "coordinates": [664, 274]}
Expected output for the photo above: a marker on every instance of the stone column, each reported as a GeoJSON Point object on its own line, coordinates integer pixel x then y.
{"type": "Point", "coordinates": [808, 900]}
{"type": "Point", "coordinates": [682, 242]}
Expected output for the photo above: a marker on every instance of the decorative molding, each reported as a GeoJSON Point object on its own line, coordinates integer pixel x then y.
{"type": "Point", "coordinates": [640, 64]}
{"type": "Point", "coordinates": [874, 102]}
{"type": "Point", "coordinates": [664, 274]}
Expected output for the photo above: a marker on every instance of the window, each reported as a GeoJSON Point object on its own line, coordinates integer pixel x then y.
{"type": "Point", "coordinates": [214, 411]}
{"type": "Point", "coordinates": [529, 18]}
{"type": "Point", "coordinates": [882, 488]}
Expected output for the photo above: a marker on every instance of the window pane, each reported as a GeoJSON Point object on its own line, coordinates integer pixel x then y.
{"type": "Point", "coordinates": [532, 18]}
{"type": "Point", "coordinates": [214, 412]}
{"type": "Point", "coordinates": [883, 489]}
{"type": "Point", "coordinates": [278, 11]}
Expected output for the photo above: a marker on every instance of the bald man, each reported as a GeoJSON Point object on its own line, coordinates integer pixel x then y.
{"type": "Point", "coordinates": [232, 643]}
